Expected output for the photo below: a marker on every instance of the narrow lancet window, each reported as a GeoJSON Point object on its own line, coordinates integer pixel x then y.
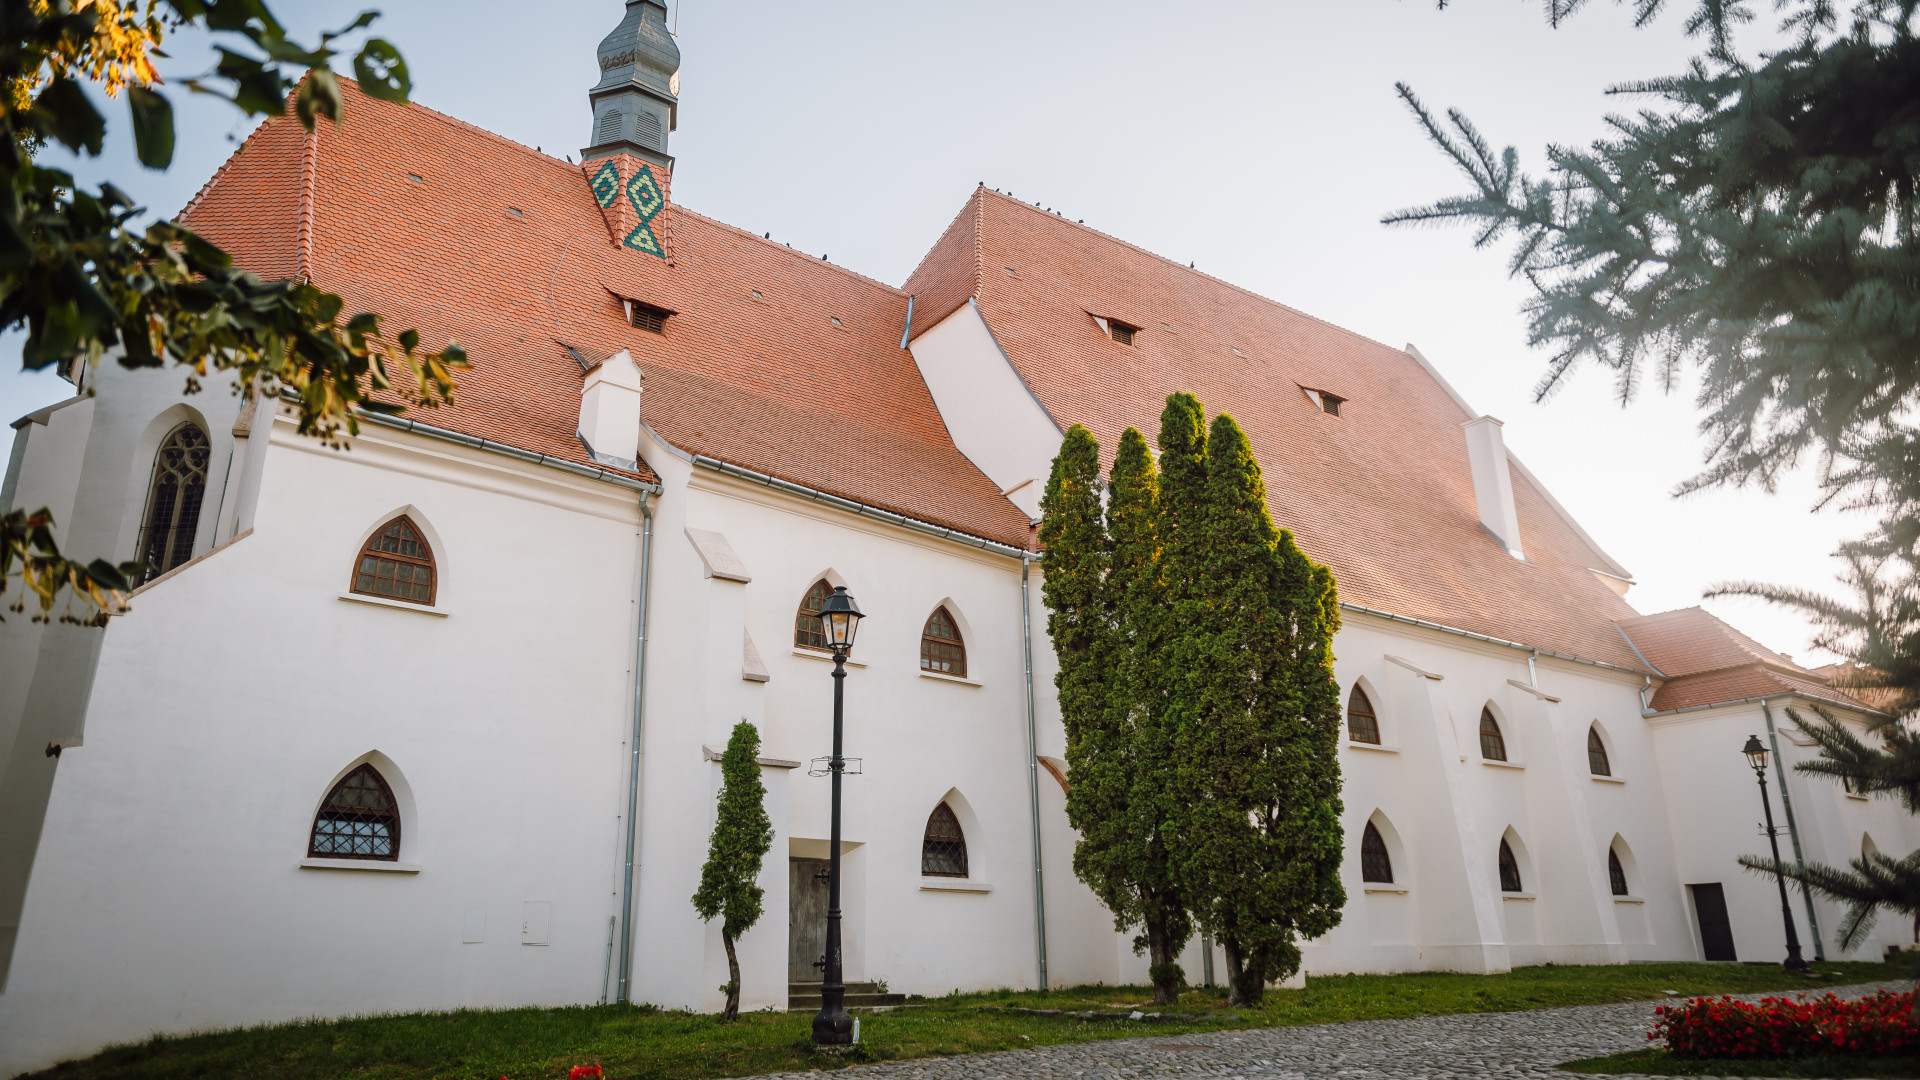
{"type": "Point", "coordinates": [1616, 874]}
{"type": "Point", "coordinates": [173, 499]}
{"type": "Point", "coordinates": [807, 631]}
{"type": "Point", "coordinates": [1493, 746]}
{"type": "Point", "coordinates": [1509, 870]}
{"type": "Point", "coordinates": [941, 649]}
{"type": "Point", "coordinates": [1597, 762]}
{"type": "Point", "coordinates": [943, 851]}
{"type": "Point", "coordinates": [1375, 866]}
{"type": "Point", "coordinates": [1362, 724]}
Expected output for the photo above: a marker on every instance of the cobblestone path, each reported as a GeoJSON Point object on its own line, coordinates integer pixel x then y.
{"type": "Point", "coordinates": [1510, 1044]}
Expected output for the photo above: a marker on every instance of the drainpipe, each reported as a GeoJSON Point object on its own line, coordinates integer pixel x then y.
{"type": "Point", "coordinates": [633, 779]}
{"type": "Point", "coordinates": [1531, 657]}
{"type": "Point", "coordinates": [1793, 834]}
{"type": "Point", "coordinates": [1033, 771]}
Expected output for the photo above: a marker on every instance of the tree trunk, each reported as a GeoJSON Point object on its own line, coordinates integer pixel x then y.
{"type": "Point", "coordinates": [1164, 969]}
{"type": "Point", "coordinates": [1236, 966]}
{"type": "Point", "coordinates": [733, 980]}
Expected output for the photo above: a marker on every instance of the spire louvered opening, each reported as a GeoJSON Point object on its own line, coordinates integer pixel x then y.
{"type": "Point", "coordinates": [612, 126]}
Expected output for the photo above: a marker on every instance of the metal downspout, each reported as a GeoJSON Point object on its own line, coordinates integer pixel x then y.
{"type": "Point", "coordinates": [1793, 834]}
{"type": "Point", "coordinates": [1033, 772]}
{"type": "Point", "coordinates": [624, 994]}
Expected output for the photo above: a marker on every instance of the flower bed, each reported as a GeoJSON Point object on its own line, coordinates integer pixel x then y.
{"type": "Point", "coordinates": [1881, 1025]}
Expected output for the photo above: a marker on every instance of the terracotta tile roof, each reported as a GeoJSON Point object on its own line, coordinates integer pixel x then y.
{"type": "Point", "coordinates": [1382, 493]}
{"type": "Point", "coordinates": [772, 384]}
{"type": "Point", "coordinates": [1708, 662]}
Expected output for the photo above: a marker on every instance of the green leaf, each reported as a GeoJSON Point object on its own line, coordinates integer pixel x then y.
{"type": "Point", "coordinates": [152, 126]}
{"type": "Point", "coordinates": [62, 112]}
{"type": "Point", "coordinates": [381, 71]}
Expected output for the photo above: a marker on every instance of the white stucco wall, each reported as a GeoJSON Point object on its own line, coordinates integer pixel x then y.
{"type": "Point", "coordinates": [991, 415]}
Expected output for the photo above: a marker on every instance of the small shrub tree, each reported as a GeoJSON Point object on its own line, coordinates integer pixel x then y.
{"type": "Point", "coordinates": [741, 836]}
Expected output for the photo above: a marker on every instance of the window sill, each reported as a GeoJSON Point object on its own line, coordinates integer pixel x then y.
{"type": "Point", "coordinates": [1385, 888]}
{"type": "Point", "coordinates": [1517, 896]}
{"type": "Point", "coordinates": [956, 884]}
{"type": "Point", "coordinates": [375, 865]}
{"type": "Point", "coordinates": [1502, 764]}
{"type": "Point", "coordinates": [816, 654]}
{"type": "Point", "coordinates": [1378, 748]}
{"type": "Point", "coordinates": [1607, 779]}
{"type": "Point", "coordinates": [398, 605]}
{"type": "Point", "coordinates": [939, 676]}
{"type": "Point", "coordinates": [1629, 899]}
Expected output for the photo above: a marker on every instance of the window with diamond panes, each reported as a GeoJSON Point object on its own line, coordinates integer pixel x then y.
{"type": "Point", "coordinates": [359, 819]}
{"type": "Point", "coordinates": [807, 631]}
{"type": "Point", "coordinates": [943, 852]}
{"type": "Point", "coordinates": [1616, 875]}
{"type": "Point", "coordinates": [1509, 870]}
{"type": "Point", "coordinates": [1375, 866]}
{"type": "Point", "coordinates": [173, 499]}
{"type": "Point", "coordinates": [396, 564]}
{"type": "Point", "coordinates": [1597, 762]}
{"type": "Point", "coordinates": [1362, 724]}
{"type": "Point", "coordinates": [1493, 746]}
{"type": "Point", "coordinates": [941, 649]}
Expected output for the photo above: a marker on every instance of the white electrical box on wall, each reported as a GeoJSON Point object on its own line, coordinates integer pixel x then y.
{"type": "Point", "coordinates": [536, 922]}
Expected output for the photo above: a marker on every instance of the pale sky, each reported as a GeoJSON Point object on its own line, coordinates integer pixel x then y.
{"type": "Point", "coordinates": [1262, 141]}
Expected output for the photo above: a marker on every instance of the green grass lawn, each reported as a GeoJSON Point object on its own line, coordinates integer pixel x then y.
{"type": "Point", "coordinates": [1657, 1063]}
{"type": "Point", "coordinates": [634, 1043]}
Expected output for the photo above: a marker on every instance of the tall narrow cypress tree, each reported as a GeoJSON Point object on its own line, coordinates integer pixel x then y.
{"type": "Point", "coordinates": [729, 882]}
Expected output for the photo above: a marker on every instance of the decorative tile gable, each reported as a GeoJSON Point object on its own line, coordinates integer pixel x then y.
{"type": "Point", "coordinates": [633, 199]}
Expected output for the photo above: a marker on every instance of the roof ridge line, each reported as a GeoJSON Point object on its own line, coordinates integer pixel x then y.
{"type": "Point", "coordinates": [1198, 273]}
{"type": "Point", "coordinates": [794, 252]}
{"type": "Point", "coordinates": [410, 103]}
{"type": "Point", "coordinates": [951, 225]}
{"type": "Point", "coordinates": [309, 167]}
{"type": "Point", "coordinates": [207, 188]}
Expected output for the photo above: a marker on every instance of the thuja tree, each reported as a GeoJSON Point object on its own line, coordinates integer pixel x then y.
{"type": "Point", "coordinates": [83, 278]}
{"type": "Point", "coordinates": [1258, 828]}
{"type": "Point", "coordinates": [1755, 220]}
{"type": "Point", "coordinates": [729, 882]}
{"type": "Point", "coordinates": [1100, 588]}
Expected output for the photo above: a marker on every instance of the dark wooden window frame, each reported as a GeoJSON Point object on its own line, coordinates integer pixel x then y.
{"type": "Point", "coordinates": [943, 653]}
{"type": "Point", "coordinates": [1597, 761]}
{"type": "Point", "coordinates": [1616, 874]}
{"type": "Point", "coordinates": [808, 633]}
{"type": "Point", "coordinates": [1493, 745]}
{"type": "Point", "coordinates": [1363, 724]}
{"type": "Point", "coordinates": [348, 814]}
{"type": "Point", "coordinates": [1376, 866]}
{"type": "Point", "coordinates": [647, 317]}
{"type": "Point", "coordinates": [367, 564]}
{"type": "Point", "coordinates": [943, 846]}
{"type": "Point", "coordinates": [1509, 870]}
{"type": "Point", "coordinates": [1121, 332]}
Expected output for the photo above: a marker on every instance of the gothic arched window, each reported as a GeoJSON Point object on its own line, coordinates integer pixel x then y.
{"type": "Point", "coordinates": [1374, 863]}
{"type": "Point", "coordinates": [173, 499]}
{"type": "Point", "coordinates": [358, 820]}
{"type": "Point", "coordinates": [1616, 874]}
{"type": "Point", "coordinates": [1597, 754]}
{"type": "Point", "coordinates": [1509, 870]}
{"type": "Point", "coordinates": [941, 649]}
{"type": "Point", "coordinates": [1362, 724]}
{"type": "Point", "coordinates": [807, 631]}
{"type": "Point", "coordinates": [396, 564]}
{"type": "Point", "coordinates": [943, 850]}
{"type": "Point", "coordinates": [1493, 746]}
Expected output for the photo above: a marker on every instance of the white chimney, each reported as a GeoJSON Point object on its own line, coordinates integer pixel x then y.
{"type": "Point", "coordinates": [610, 410]}
{"type": "Point", "coordinates": [1492, 486]}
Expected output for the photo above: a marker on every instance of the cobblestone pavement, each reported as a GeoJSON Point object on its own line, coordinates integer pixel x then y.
{"type": "Point", "coordinates": [1511, 1044]}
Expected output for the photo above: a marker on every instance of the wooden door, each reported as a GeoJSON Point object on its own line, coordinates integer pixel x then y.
{"type": "Point", "coordinates": [806, 919]}
{"type": "Point", "coordinates": [1716, 933]}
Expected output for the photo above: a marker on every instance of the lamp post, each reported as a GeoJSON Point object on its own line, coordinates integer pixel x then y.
{"type": "Point", "coordinates": [839, 617]}
{"type": "Point", "coordinates": [1757, 757]}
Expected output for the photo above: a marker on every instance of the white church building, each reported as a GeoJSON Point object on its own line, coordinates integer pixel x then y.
{"type": "Point", "coordinates": [432, 722]}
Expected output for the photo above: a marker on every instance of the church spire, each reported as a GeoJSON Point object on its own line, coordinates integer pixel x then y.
{"type": "Point", "coordinates": [636, 102]}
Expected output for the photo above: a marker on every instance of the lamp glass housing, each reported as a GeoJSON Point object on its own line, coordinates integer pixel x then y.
{"type": "Point", "coordinates": [1756, 752]}
{"type": "Point", "coordinates": [839, 619]}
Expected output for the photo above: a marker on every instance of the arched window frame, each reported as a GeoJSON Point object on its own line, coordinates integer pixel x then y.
{"type": "Point", "coordinates": [1493, 739]}
{"type": "Point", "coordinates": [1599, 753]}
{"type": "Point", "coordinates": [807, 632]}
{"type": "Point", "coordinates": [333, 811]}
{"type": "Point", "coordinates": [381, 550]}
{"type": "Point", "coordinates": [1616, 874]}
{"type": "Point", "coordinates": [1363, 717]}
{"type": "Point", "coordinates": [1511, 881]}
{"type": "Point", "coordinates": [943, 647]}
{"type": "Point", "coordinates": [169, 526]}
{"type": "Point", "coordinates": [1376, 862]}
{"type": "Point", "coordinates": [943, 853]}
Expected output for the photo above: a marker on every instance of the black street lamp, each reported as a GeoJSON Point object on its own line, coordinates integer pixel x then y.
{"type": "Point", "coordinates": [1757, 757]}
{"type": "Point", "coordinates": [839, 617]}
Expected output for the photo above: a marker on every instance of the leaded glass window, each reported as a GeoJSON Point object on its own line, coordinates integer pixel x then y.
{"type": "Point", "coordinates": [941, 649]}
{"type": "Point", "coordinates": [807, 631]}
{"type": "Point", "coordinates": [1493, 747]}
{"type": "Point", "coordinates": [173, 500]}
{"type": "Point", "coordinates": [1509, 870]}
{"type": "Point", "coordinates": [1597, 754]}
{"type": "Point", "coordinates": [1616, 875]}
{"type": "Point", "coordinates": [943, 851]}
{"type": "Point", "coordinates": [396, 564]}
{"type": "Point", "coordinates": [1375, 866]}
{"type": "Point", "coordinates": [358, 820]}
{"type": "Point", "coordinates": [1362, 724]}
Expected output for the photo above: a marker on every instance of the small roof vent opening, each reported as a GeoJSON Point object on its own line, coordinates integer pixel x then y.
{"type": "Point", "coordinates": [757, 295]}
{"type": "Point", "coordinates": [1121, 332]}
{"type": "Point", "coordinates": [835, 320]}
{"type": "Point", "coordinates": [1011, 272]}
{"type": "Point", "coordinates": [416, 178]}
{"type": "Point", "coordinates": [515, 212]}
{"type": "Point", "coordinates": [1328, 403]}
{"type": "Point", "coordinates": [647, 317]}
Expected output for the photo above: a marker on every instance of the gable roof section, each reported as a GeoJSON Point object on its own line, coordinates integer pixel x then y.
{"type": "Point", "coordinates": [1708, 662]}
{"type": "Point", "coordinates": [771, 384]}
{"type": "Point", "coordinates": [1382, 493]}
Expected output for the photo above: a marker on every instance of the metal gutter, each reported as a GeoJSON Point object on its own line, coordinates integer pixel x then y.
{"type": "Point", "coordinates": [888, 516]}
{"type": "Point", "coordinates": [1793, 834]}
{"type": "Point", "coordinates": [907, 334]}
{"type": "Point", "coordinates": [1033, 775]}
{"type": "Point", "coordinates": [633, 779]}
{"type": "Point", "coordinates": [1628, 638]}
{"type": "Point", "coordinates": [476, 443]}
{"type": "Point", "coordinates": [1535, 650]}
